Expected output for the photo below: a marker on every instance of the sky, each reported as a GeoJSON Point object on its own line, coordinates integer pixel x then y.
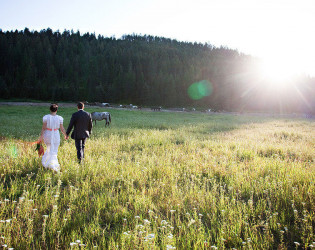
{"type": "Point", "coordinates": [279, 31]}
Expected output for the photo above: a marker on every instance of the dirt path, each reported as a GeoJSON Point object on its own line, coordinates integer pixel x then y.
{"type": "Point", "coordinates": [64, 104]}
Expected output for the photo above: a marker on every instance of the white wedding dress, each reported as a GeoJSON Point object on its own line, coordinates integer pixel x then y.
{"type": "Point", "coordinates": [52, 140]}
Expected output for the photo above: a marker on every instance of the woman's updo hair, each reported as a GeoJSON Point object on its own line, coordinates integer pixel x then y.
{"type": "Point", "coordinates": [53, 107]}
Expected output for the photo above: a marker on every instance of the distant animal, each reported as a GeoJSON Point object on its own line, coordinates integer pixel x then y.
{"type": "Point", "coordinates": [156, 108]}
{"type": "Point", "coordinates": [98, 116]}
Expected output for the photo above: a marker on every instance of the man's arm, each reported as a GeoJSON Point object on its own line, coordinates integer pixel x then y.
{"type": "Point", "coordinates": [90, 124]}
{"type": "Point", "coordinates": [70, 125]}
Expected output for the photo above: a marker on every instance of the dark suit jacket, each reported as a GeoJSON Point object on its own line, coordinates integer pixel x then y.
{"type": "Point", "coordinates": [82, 123]}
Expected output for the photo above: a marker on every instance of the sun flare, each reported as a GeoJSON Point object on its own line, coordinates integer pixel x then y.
{"type": "Point", "coordinates": [277, 72]}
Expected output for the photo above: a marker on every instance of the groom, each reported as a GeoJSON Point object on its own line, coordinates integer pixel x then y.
{"type": "Point", "coordinates": [82, 123]}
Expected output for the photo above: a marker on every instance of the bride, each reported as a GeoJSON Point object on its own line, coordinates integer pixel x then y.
{"type": "Point", "coordinates": [50, 136]}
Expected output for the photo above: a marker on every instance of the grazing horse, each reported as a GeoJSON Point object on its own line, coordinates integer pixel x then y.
{"type": "Point", "coordinates": [98, 116]}
{"type": "Point", "coordinates": [156, 108]}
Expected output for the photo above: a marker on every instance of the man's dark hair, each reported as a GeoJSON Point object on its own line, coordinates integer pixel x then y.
{"type": "Point", "coordinates": [80, 105]}
{"type": "Point", "coordinates": [53, 107]}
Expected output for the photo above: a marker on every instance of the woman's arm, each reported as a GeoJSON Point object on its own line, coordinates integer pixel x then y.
{"type": "Point", "coordinates": [43, 130]}
{"type": "Point", "coordinates": [63, 131]}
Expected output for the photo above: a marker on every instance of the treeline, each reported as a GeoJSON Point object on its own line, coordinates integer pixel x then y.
{"type": "Point", "coordinates": [143, 70]}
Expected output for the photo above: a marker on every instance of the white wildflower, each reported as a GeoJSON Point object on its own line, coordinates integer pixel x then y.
{"type": "Point", "coordinates": [146, 222]}
{"type": "Point", "coordinates": [164, 222]}
{"type": "Point", "coordinates": [170, 247]}
{"type": "Point", "coordinates": [151, 236]}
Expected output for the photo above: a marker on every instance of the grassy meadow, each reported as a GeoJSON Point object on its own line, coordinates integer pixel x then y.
{"type": "Point", "coordinates": [160, 180]}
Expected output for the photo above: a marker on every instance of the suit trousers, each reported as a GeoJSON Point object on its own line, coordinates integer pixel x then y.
{"type": "Point", "coordinates": [80, 144]}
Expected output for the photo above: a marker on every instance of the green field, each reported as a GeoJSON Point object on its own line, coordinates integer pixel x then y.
{"type": "Point", "coordinates": [160, 180]}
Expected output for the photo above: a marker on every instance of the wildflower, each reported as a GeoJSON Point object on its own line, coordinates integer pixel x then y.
{"type": "Point", "coordinates": [34, 209]}
{"type": "Point", "coordinates": [125, 233]}
{"type": "Point", "coordinates": [124, 219]}
{"type": "Point", "coordinates": [214, 247]}
{"type": "Point", "coordinates": [56, 195]}
{"type": "Point", "coordinates": [191, 222]}
{"type": "Point", "coordinates": [164, 222]}
{"type": "Point", "coordinates": [82, 245]}
{"type": "Point", "coordinates": [285, 228]}
{"type": "Point", "coordinates": [72, 244]}
{"type": "Point", "coordinates": [170, 247]}
{"type": "Point", "coordinates": [281, 231]}
{"type": "Point", "coordinates": [151, 236]}
{"type": "Point", "coordinates": [200, 215]}
{"type": "Point", "coordinates": [146, 222]}
{"type": "Point", "coordinates": [296, 243]}
{"type": "Point", "coordinates": [6, 200]}
{"type": "Point", "coordinates": [173, 211]}
{"type": "Point", "coordinates": [170, 236]}
{"type": "Point", "coordinates": [45, 216]}
{"type": "Point", "coordinates": [137, 217]}
{"type": "Point", "coordinates": [78, 241]}
{"type": "Point", "coordinates": [150, 211]}
{"type": "Point", "coordinates": [5, 245]}
{"type": "Point", "coordinates": [8, 221]}
{"type": "Point", "coordinates": [30, 200]}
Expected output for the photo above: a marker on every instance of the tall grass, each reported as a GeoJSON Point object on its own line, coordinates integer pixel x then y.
{"type": "Point", "coordinates": [157, 180]}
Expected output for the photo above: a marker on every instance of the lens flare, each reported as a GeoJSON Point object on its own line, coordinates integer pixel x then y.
{"type": "Point", "coordinates": [199, 90]}
{"type": "Point", "coordinates": [13, 151]}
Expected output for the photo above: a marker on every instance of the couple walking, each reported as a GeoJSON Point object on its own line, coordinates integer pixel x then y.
{"type": "Point", "coordinates": [81, 121]}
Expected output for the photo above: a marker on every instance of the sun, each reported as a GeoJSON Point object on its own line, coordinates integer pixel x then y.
{"type": "Point", "coordinates": [277, 72]}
